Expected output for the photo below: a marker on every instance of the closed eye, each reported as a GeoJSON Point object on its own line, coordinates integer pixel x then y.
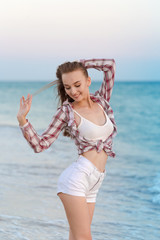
{"type": "Point", "coordinates": [67, 88]}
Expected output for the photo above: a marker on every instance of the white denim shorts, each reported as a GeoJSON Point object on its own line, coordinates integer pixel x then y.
{"type": "Point", "coordinates": [81, 178]}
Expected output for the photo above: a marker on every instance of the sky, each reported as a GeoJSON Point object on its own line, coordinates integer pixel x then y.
{"type": "Point", "coordinates": [38, 35]}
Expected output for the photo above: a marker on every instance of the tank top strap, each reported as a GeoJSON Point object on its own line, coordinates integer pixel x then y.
{"type": "Point", "coordinates": [102, 109]}
{"type": "Point", "coordinates": [77, 113]}
{"type": "Point", "coordinates": [100, 106]}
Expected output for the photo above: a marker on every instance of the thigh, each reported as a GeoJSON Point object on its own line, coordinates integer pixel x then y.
{"type": "Point", "coordinates": [78, 215]}
{"type": "Point", "coordinates": [91, 207]}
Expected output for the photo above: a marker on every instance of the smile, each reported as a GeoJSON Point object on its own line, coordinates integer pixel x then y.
{"type": "Point", "coordinates": [76, 96]}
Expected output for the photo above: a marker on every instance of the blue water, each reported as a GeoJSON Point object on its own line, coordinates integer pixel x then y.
{"type": "Point", "coordinates": [128, 204]}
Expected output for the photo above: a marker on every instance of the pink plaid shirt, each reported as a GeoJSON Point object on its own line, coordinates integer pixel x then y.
{"type": "Point", "coordinates": [64, 116]}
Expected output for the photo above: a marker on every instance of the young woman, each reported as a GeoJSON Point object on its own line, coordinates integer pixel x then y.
{"type": "Point", "coordinates": [89, 120]}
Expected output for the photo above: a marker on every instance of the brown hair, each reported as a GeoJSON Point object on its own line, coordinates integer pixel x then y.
{"type": "Point", "coordinates": [66, 68]}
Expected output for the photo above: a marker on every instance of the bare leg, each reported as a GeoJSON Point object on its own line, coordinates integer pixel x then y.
{"type": "Point", "coordinates": [79, 216]}
{"type": "Point", "coordinates": [91, 207]}
{"type": "Point", "coordinates": [71, 237]}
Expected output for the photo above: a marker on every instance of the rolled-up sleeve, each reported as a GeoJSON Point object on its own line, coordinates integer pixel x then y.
{"type": "Point", "coordinates": [108, 68]}
{"type": "Point", "coordinates": [42, 142]}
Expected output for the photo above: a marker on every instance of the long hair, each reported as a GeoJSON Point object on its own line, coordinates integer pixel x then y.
{"type": "Point", "coordinates": [66, 68]}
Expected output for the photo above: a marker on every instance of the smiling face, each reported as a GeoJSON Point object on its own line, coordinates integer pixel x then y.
{"type": "Point", "coordinates": [76, 84]}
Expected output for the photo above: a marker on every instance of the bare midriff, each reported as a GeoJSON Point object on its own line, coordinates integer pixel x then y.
{"type": "Point", "coordinates": [98, 159]}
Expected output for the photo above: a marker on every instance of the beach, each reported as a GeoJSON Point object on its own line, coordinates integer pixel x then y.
{"type": "Point", "coordinates": [128, 203]}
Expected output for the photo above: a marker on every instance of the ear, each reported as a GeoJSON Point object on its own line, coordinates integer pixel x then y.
{"type": "Point", "coordinates": [88, 81]}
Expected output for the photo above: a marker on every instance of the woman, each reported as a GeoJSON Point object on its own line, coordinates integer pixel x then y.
{"type": "Point", "coordinates": [89, 120]}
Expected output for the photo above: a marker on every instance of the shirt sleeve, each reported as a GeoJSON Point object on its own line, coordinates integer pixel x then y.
{"type": "Point", "coordinates": [42, 142]}
{"type": "Point", "coordinates": [108, 68]}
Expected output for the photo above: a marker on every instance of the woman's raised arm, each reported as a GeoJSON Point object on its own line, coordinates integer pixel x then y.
{"type": "Point", "coordinates": [108, 67]}
{"type": "Point", "coordinates": [40, 142]}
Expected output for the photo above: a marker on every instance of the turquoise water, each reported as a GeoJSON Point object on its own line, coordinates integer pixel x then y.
{"type": "Point", "coordinates": [128, 204]}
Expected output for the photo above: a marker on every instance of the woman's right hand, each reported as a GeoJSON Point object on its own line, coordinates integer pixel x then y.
{"type": "Point", "coordinates": [24, 108]}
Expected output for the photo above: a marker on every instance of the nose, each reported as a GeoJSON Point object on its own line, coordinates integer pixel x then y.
{"type": "Point", "coordinates": [73, 91]}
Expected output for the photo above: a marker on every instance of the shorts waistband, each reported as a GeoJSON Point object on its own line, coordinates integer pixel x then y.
{"type": "Point", "coordinates": [90, 165]}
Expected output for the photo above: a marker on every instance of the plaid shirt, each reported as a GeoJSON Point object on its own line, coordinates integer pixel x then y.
{"type": "Point", "coordinates": [64, 116]}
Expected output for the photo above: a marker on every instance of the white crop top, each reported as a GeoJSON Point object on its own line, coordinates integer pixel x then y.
{"type": "Point", "coordinates": [92, 131]}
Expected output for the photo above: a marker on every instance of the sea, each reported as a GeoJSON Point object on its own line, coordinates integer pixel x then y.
{"type": "Point", "coordinates": [128, 202]}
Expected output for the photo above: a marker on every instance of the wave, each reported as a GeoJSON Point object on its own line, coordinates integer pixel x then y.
{"type": "Point", "coordinates": [16, 126]}
{"type": "Point", "coordinates": [9, 125]}
{"type": "Point", "coordinates": [26, 228]}
{"type": "Point", "coordinates": [155, 190]}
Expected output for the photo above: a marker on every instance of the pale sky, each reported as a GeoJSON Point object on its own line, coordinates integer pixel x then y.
{"type": "Point", "coordinates": [38, 35]}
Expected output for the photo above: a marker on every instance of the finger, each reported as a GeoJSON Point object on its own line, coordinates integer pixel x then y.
{"type": "Point", "coordinates": [27, 99]}
{"type": "Point", "coordinates": [30, 99]}
{"type": "Point", "coordinates": [23, 98]}
{"type": "Point", "coordinates": [21, 102]}
{"type": "Point", "coordinates": [28, 96]}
